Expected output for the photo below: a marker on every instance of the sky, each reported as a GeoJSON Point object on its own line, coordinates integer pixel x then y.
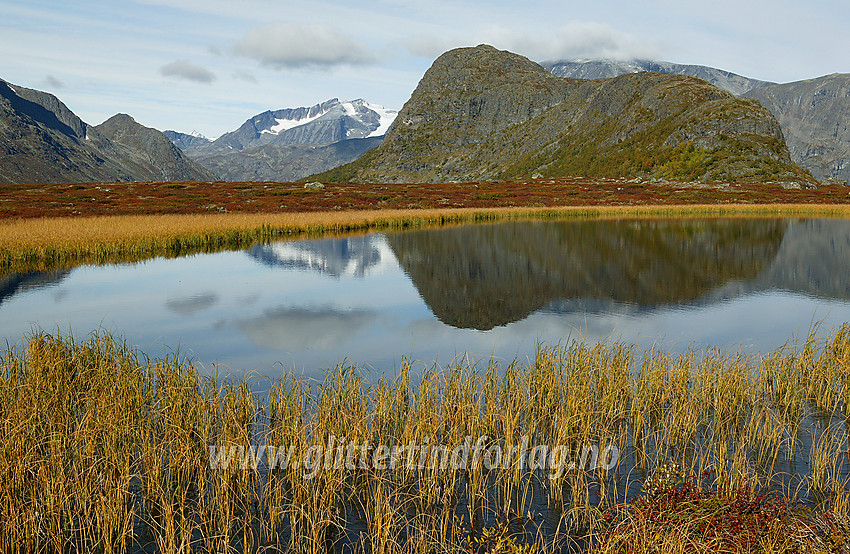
{"type": "Point", "coordinates": [208, 65]}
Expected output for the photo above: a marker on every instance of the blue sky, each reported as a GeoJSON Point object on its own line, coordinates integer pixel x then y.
{"type": "Point", "coordinates": [208, 65]}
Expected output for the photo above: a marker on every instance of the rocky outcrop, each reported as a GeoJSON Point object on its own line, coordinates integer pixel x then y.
{"type": "Point", "coordinates": [815, 117]}
{"type": "Point", "coordinates": [42, 141]}
{"type": "Point", "coordinates": [480, 113]}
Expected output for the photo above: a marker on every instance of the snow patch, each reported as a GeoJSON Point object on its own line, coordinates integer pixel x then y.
{"type": "Point", "coordinates": [286, 124]}
{"type": "Point", "coordinates": [349, 109]}
{"type": "Point", "coordinates": [386, 119]}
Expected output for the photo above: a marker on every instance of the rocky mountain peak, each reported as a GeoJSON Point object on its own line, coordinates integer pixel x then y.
{"type": "Point", "coordinates": [146, 145]}
{"type": "Point", "coordinates": [480, 89]}
{"type": "Point", "coordinates": [481, 113]}
{"type": "Point", "coordinates": [318, 125]}
{"type": "Point", "coordinates": [815, 115]}
{"type": "Point", "coordinates": [44, 108]}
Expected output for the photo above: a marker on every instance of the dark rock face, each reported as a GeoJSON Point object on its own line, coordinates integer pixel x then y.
{"type": "Point", "coordinates": [815, 117]}
{"type": "Point", "coordinates": [42, 141]}
{"type": "Point", "coordinates": [480, 113]}
{"type": "Point", "coordinates": [607, 69]}
{"type": "Point", "coordinates": [53, 114]}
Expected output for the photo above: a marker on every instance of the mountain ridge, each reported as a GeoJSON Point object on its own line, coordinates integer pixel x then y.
{"type": "Point", "coordinates": [810, 111]}
{"type": "Point", "coordinates": [43, 141]}
{"type": "Point", "coordinates": [284, 163]}
{"type": "Point", "coordinates": [150, 148]}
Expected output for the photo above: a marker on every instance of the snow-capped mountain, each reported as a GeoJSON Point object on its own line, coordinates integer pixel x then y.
{"type": "Point", "coordinates": [325, 123]}
{"type": "Point", "coordinates": [287, 144]}
{"type": "Point", "coordinates": [358, 110]}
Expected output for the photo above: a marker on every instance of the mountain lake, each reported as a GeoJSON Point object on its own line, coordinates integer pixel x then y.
{"type": "Point", "coordinates": [484, 292]}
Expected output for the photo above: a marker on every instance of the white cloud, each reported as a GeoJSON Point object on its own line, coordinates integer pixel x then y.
{"type": "Point", "coordinates": [580, 40]}
{"type": "Point", "coordinates": [188, 71]}
{"type": "Point", "coordinates": [429, 46]}
{"type": "Point", "coordinates": [246, 76]}
{"type": "Point", "coordinates": [572, 41]}
{"type": "Point", "coordinates": [295, 328]}
{"type": "Point", "coordinates": [284, 45]}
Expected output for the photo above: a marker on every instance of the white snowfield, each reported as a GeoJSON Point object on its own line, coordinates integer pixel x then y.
{"type": "Point", "coordinates": [353, 108]}
{"type": "Point", "coordinates": [286, 124]}
{"type": "Point", "coordinates": [387, 118]}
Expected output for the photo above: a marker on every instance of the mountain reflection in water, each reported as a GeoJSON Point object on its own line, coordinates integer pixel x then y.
{"type": "Point", "coordinates": [484, 290]}
{"type": "Point", "coordinates": [488, 275]}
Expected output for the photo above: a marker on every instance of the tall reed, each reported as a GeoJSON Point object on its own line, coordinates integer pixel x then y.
{"type": "Point", "coordinates": [106, 450]}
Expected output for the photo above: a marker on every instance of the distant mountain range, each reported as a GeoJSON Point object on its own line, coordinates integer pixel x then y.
{"type": "Point", "coordinates": [325, 123]}
{"type": "Point", "coordinates": [485, 114]}
{"type": "Point", "coordinates": [285, 163]}
{"type": "Point", "coordinates": [42, 141]}
{"type": "Point", "coordinates": [287, 144]}
{"type": "Point", "coordinates": [186, 141]}
{"type": "Point", "coordinates": [607, 69]}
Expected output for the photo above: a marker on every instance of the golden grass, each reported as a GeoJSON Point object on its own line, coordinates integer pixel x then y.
{"type": "Point", "coordinates": [104, 450]}
{"type": "Point", "coordinates": [52, 242]}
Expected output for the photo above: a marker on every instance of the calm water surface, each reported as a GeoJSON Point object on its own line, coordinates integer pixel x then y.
{"type": "Point", "coordinates": [482, 291]}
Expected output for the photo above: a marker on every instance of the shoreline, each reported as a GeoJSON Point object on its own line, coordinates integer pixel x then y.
{"type": "Point", "coordinates": [51, 242]}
